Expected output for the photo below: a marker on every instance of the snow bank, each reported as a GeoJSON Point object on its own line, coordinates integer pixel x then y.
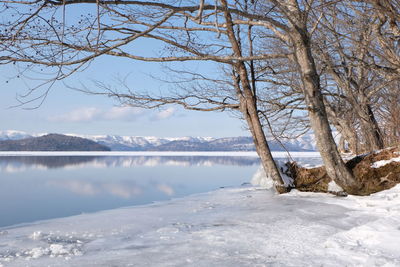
{"type": "Point", "coordinates": [382, 163]}
{"type": "Point", "coordinates": [260, 178]}
{"type": "Point", "coordinates": [334, 187]}
{"type": "Point", "coordinates": [244, 226]}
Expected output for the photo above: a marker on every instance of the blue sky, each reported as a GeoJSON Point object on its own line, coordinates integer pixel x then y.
{"type": "Point", "coordinates": [69, 111]}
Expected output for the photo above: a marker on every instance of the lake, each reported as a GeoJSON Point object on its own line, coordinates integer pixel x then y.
{"type": "Point", "coordinates": [42, 187]}
{"type": "Point", "coordinates": [36, 188]}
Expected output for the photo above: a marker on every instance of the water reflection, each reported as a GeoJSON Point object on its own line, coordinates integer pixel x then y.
{"type": "Point", "coordinates": [23, 163]}
{"type": "Point", "coordinates": [41, 187]}
{"type": "Point", "coordinates": [122, 189]}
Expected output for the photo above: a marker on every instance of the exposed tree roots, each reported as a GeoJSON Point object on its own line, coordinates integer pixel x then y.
{"type": "Point", "coordinates": [371, 179]}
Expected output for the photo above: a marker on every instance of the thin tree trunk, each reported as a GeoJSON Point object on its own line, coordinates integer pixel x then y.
{"type": "Point", "coordinates": [351, 137]}
{"type": "Point", "coordinates": [248, 107]}
{"type": "Point", "coordinates": [249, 110]}
{"type": "Point", "coordinates": [334, 164]}
{"type": "Point", "coordinates": [345, 127]}
{"type": "Point", "coordinates": [352, 140]}
{"type": "Point", "coordinates": [369, 127]}
{"type": "Point", "coordinates": [342, 145]}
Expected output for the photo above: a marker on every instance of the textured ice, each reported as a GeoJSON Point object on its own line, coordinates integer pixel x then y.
{"type": "Point", "coordinates": [246, 226]}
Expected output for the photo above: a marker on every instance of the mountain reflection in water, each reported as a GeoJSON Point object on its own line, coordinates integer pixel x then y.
{"type": "Point", "coordinates": [22, 163]}
{"type": "Point", "coordinates": [42, 187]}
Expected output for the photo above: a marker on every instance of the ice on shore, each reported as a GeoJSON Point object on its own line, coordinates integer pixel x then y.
{"type": "Point", "coordinates": [247, 226]}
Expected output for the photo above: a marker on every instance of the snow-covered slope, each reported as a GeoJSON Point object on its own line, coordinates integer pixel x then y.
{"type": "Point", "coordinates": [242, 143]}
{"type": "Point", "coordinates": [116, 142]}
{"type": "Point", "coordinates": [149, 143]}
{"type": "Point", "coordinates": [13, 135]}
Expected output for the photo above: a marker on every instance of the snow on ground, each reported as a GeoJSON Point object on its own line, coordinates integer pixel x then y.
{"type": "Point", "coordinates": [382, 163]}
{"type": "Point", "coordinates": [261, 179]}
{"type": "Point", "coordinates": [334, 187]}
{"type": "Point", "coordinates": [246, 226]}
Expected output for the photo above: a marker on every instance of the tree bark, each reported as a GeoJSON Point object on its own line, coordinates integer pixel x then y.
{"type": "Point", "coordinates": [345, 127]}
{"type": "Point", "coordinates": [249, 110]}
{"type": "Point", "coordinates": [334, 164]}
{"type": "Point", "coordinates": [351, 137]}
{"type": "Point", "coordinates": [370, 129]}
{"type": "Point", "coordinates": [342, 144]}
{"type": "Point", "coordinates": [248, 107]}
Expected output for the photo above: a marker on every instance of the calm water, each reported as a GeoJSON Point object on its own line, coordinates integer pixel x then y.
{"type": "Point", "coordinates": [37, 188]}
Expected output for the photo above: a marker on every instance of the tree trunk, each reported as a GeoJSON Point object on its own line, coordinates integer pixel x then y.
{"type": "Point", "coordinates": [370, 129]}
{"type": "Point", "coordinates": [248, 107]}
{"type": "Point", "coordinates": [351, 137]}
{"type": "Point", "coordinates": [352, 140]}
{"type": "Point", "coordinates": [249, 111]}
{"type": "Point", "coordinates": [342, 145]}
{"type": "Point", "coordinates": [334, 164]}
{"type": "Point", "coordinates": [345, 127]}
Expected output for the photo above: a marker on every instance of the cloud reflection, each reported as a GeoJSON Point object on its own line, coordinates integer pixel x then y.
{"type": "Point", "coordinates": [166, 189]}
{"type": "Point", "coordinates": [124, 189]}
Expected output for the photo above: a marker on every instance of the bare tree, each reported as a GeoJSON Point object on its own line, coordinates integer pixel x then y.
{"type": "Point", "coordinates": [353, 81]}
{"type": "Point", "coordinates": [389, 113]}
{"type": "Point", "coordinates": [295, 28]}
{"type": "Point", "coordinates": [222, 41]}
{"type": "Point", "coordinates": [223, 32]}
{"type": "Point", "coordinates": [386, 29]}
{"type": "Point", "coordinates": [351, 54]}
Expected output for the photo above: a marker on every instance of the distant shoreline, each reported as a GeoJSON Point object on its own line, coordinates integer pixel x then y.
{"type": "Point", "coordinates": [277, 154]}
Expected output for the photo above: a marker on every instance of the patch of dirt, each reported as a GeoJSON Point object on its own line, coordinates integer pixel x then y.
{"type": "Point", "coordinates": [377, 179]}
{"type": "Point", "coordinates": [372, 180]}
{"type": "Point", "coordinates": [309, 179]}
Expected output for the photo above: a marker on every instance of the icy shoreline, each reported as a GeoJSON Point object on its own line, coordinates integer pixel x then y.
{"type": "Point", "coordinates": [245, 226]}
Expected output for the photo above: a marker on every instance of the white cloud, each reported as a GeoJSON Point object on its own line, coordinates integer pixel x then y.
{"type": "Point", "coordinates": [86, 114]}
{"type": "Point", "coordinates": [116, 113]}
{"type": "Point", "coordinates": [78, 115]}
{"type": "Point", "coordinates": [165, 114]}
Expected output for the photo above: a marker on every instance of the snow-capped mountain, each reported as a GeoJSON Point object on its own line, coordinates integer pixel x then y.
{"type": "Point", "coordinates": [242, 143]}
{"type": "Point", "coordinates": [139, 143]}
{"type": "Point", "coordinates": [52, 142]}
{"type": "Point", "coordinates": [149, 143]}
{"type": "Point", "coordinates": [13, 135]}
